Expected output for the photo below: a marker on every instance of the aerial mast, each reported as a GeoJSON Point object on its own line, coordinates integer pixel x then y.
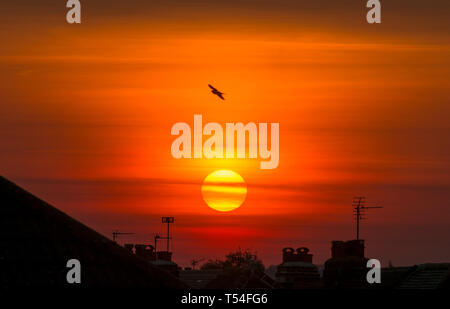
{"type": "Point", "coordinates": [116, 233]}
{"type": "Point", "coordinates": [359, 210]}
{"type": "Point", "coordinates": [168, 220]}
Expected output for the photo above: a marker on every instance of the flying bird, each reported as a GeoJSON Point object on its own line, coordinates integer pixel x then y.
{"type": "Point", "coordinates": [216, 92]}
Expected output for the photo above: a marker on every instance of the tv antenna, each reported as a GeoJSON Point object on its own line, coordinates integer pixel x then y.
{"type": "Point", "coordinates": [359, 210]}
{"type": "Point", "coordinates": [116, 233]}
{"type": "Point", "coordinates": [167, 220]}
{"type": "Point", "coordinates": [156, 237]}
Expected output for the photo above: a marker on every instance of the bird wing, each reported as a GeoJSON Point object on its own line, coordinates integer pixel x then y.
{"type": "Point", "coordinates": [212, 87]}
{"type": "Point", "coordinates": [220, 95]}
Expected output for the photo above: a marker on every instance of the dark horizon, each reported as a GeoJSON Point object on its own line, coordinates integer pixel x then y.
{"type": "Point", "coordinates": [321, 250]}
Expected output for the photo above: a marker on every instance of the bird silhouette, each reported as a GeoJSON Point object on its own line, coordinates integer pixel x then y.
{"type": "Point", "coordinates": [216, 92]}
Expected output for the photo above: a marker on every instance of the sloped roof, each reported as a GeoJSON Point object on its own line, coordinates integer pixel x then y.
{"type": "Point", "coordinates": [198, 279]}
{"type": "Point", "coordinates": [427, 276]}
{"type": "Point", "coordinates": [37, 240]}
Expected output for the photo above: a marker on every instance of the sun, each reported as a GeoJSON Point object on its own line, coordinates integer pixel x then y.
{"type": "Point", "coordinates": [224, 190]}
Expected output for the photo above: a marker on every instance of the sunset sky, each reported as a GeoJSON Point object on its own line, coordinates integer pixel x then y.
{"type": "Point", "coordinates": [86, 113]}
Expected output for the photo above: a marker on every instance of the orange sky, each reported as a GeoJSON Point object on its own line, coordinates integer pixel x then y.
{"type": "Point", "coordinates": [86, 112]}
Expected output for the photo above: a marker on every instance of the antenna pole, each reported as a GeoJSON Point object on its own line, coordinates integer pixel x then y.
{"type": "Point", "coordinates": [359, 201]}
{"type": "Point", "coordinates": [358, 211]}
{"type": "Point", "coordinates": [358, 214]}
{"type": "Point", "coordinates": [116, 233]}
{"type": "Point", "coordinates": [168, 235]}
{"type": "Point", "coordinates": [168, 220]}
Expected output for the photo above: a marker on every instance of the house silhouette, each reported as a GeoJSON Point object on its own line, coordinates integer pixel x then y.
{"type": "Point", "coordinates": [37, 241]}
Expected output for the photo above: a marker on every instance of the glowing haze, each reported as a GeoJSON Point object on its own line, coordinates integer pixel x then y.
{"type": "Point", "coordinates": [86, 113]}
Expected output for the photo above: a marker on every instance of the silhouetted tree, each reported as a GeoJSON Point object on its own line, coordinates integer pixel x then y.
{"type": "Point", "coordinates": [212, 264]}
{"type": "Point", "coordinates": [238, 260]}
{"type": "Point", "coordinates": [238, 268]}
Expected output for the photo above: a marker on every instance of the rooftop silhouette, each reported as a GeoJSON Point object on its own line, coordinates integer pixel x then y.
{"type": "Point", "coordinates": [38, 240]}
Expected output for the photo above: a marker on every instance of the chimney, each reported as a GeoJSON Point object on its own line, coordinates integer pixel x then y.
{"type": "Point", "coordinates": [351, 248]}
{"type": "Point", "coordinates": [299, 255]}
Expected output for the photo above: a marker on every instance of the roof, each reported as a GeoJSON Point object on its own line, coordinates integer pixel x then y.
{"type": "Point", "coordinates": [198, 279]}
{"type": "Point", "coordinates": [298, 264]}
{"type": "Point", "coordinates": [38, 239]}
{"type": "Point", "coordinates": [427, 276]}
